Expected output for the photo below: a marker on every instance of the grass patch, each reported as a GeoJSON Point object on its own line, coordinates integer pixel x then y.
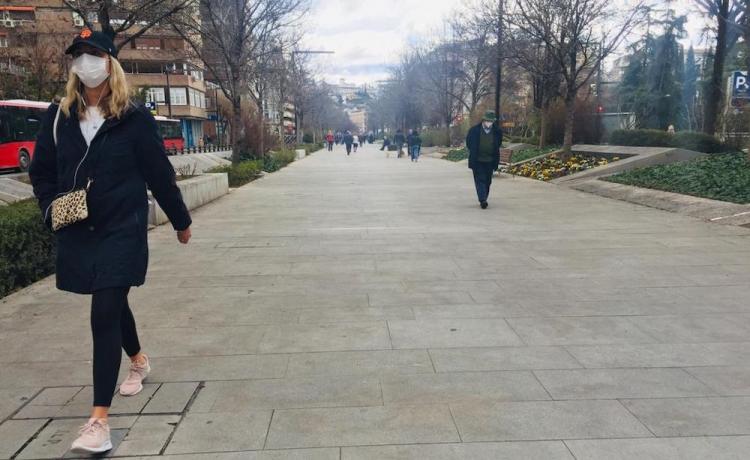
{"type": "Point", "coordinates": [457, 154]}
{"type": "Point", "coordinates": [724, 177]}
{"type": "Point", "coordinates": [525, 154]}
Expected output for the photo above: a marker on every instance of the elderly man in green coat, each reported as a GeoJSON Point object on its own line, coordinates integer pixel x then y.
{"type": "Point", "coordinates": [483, 142]}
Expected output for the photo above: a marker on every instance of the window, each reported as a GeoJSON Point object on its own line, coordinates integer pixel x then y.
{"type": "Point", "coordinates": [3, 41]}
{"type": "Point", "coordinates": [156, 95]}
{"type": "Point", "coordinates": [178, 96]}
{"type": "Point", "coordinates": [147, 43]}
{"type": "Point", "coordinates": [197, 98]}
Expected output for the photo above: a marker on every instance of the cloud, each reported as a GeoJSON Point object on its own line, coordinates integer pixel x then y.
{"type": "Point", "coordinates": [369, 36]}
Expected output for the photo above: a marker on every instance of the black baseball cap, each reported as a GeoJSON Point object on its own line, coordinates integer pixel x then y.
{"type": "Point", "coordinates": [94, 39]}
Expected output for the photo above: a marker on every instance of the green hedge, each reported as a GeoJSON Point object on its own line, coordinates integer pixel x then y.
{"type": "Point", "coordinates": [277, 160]}
{"type": "Point", "coordinates": [27, 247]}
{"type": "Point", "coordinates": [241, 173]}
{"type": "Point", "coordinates": [433, 137]}
{"type": "Point", "coordinates": [457, 154]}
{"type": "Point", "coordinates": [690, 140]}
{"type": "Point", "coordinates": [311, 147]}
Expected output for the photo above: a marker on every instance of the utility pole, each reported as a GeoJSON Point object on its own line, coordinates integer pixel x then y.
{"type": "Point", "coordinates": [499, 73]}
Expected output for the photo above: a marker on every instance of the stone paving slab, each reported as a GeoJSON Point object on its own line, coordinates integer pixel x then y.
{"type": "Point", "coordinates": [220, 432]}
{"type": "Point", "coordinates": [361, 426]}
{"type": "Point", "coordinates": [693, 416]}
{"type": "Point", "coordinates": [365, 307]}
{"type": "Point", "coordinates": [14, 433]}
{"type": "Point", "coordinates": [544, 450]}
{"type": "Point", "coordinates": [545, 420]}
{"type": "Point", "coordinates": [724, 447]}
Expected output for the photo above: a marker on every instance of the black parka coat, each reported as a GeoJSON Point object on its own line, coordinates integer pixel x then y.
{"type": "Point", "coordinates": [110, 248]}
{"type": "Point", "coordinates": [472, 145]}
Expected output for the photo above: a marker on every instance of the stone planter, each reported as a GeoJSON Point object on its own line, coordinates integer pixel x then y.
{"type": "Point", "coordinates": [196, 192]}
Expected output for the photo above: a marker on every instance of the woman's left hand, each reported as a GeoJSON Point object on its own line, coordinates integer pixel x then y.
{"type": "Point", "coordinates": [184, 235]}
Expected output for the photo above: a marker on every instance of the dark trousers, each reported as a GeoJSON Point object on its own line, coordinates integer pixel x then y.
{"type": "Point", "coordinates": [348, 149]}
{"type": "Point", "coordinates": [113, 329]}
{"type": "Point", "coordinates": [330, 146]}
{"type": "Point", "coordinates": [483, 180]}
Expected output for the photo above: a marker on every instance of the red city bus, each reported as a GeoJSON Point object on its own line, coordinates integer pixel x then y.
{"type": "Point", "coordinates": [19, 124]}
{"type": "Point", "coordinates": [171, 131]}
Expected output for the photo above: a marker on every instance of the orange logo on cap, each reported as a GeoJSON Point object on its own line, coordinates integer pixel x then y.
{"type": "Point", "coordinates": [85, 33]}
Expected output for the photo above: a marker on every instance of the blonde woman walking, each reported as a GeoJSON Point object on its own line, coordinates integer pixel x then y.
{"type": "Point", "coordinates": [97, 140]}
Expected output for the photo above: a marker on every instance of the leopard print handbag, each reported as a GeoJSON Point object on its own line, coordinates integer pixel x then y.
{"type": "Point", "coordinates": [69, 209]}
{"type": "Point", "coordinates": [72, 206]}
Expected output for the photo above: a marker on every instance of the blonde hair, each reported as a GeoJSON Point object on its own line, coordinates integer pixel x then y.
{"type": "Point", "coordinates": [113, 104]}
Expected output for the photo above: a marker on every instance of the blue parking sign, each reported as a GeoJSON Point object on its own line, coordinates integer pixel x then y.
{"type": "Point", "coordinates": [740, 85]}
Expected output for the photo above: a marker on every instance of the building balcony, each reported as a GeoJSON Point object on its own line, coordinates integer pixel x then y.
{"type": "Point", "coordinates": [153, 80]}
{"type": "Point", "coordinates": [182, 111]}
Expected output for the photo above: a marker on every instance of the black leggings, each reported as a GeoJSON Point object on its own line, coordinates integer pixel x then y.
{"type": "Point", "coordinates": [113, 327]}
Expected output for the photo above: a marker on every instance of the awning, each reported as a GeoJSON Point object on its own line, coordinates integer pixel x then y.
{"type": "Point", "coordinates": [17, 8]}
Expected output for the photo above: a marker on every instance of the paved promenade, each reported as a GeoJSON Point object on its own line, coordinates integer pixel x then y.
{"type": "Point", "coordinates": [366, 308]}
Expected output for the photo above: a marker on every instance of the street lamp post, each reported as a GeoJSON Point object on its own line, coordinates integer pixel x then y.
{"type": "Point", "coordinates": [499, 74]}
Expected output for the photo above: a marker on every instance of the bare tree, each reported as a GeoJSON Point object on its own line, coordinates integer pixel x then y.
{"type": "Point", "coordinates": [474, 39]}
{"type": "Point", "coordinates": [440, 69]}
{"type": "Point", "coordinates": [229, 36]}
{"type": "Point", "coordinates": [128, 19]}
{"type": "Point", "coordinates": [570, 31]}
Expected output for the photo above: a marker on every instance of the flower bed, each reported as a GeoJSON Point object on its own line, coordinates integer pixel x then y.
{"type": "Point", "coordinates": [553, 167]}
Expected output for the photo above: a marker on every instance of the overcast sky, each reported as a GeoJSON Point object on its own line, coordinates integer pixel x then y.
{"type": "Point", "coordinates": [368, 35]}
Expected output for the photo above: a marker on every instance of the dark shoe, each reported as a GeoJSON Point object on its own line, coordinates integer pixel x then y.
{"type": "Point", "coordinates": [484, 205]}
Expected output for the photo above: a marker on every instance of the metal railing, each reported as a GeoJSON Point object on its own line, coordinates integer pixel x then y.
{"type": "Point", "coordinates": [199, 149]}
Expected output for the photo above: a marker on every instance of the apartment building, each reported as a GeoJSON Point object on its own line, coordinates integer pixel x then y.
{"type": "Point", "coordinates": [156, 62]}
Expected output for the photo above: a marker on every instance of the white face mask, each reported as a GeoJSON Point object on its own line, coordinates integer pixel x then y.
{"type": "Point", "coordinates": [487, 125]}
{"type": "Point", "coordinates": [92, 70]}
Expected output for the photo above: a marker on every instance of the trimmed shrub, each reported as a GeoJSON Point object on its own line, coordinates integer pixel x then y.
{"type": "Point", "coordinates": [699, 142]}
{"type": "Point", "coordinates": [642, 138]}
{"type": "Point", "coordinates": [277, 160]}
{"type": "Point", "coordinates": [241, 173]}
{"type": "Point", "coordinates": [433, 137]}
{"type": "Point", "coordinates": [27, 247]}
{"type": "Point", "coordinates": [457, 154]}
{"type": "Point", "coordinates": [691, 140]}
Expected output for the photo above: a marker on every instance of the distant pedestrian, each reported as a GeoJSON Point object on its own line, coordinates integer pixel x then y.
{"type": "Point", "coordinates": [329, 139]}
{"type": "Point", "coordinates": [670, 129]}
{"type": "Point", "coordinates": [415, 145]}
{"type": "Point", "coordinates": [483, 142]}
{"type": "Point", "coordinates": [348, 140]}
{"type": "Point", "coordinates": [100, 147]}
{"type": "Point", "coordinates": [355, 143]}
{"type": "Point", "coordinates": [399, 141]}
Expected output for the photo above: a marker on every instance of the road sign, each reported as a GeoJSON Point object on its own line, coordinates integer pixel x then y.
{"type": "Point", "coordinates": [152, 107]}
{"type": "Point", "coordinates": [740, 85]}
{"type": "Point", "coordinates": [213, 117]}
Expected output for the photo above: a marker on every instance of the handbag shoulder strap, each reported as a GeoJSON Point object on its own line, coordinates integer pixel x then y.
{"type": "Point", "coordinates": [57, 119]}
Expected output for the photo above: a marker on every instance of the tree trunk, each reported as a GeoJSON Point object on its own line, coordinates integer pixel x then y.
{"type": "Point", "coordinates": [236, 133]}
{"type": "Point", "coordinates": [570, 112]}
{"type": "Point", "coordinates": [714, 93]}
{"type": "Point", "coordinates": [543, 126]}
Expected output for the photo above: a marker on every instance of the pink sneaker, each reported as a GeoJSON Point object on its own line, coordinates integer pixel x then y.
{"type": "Point", "coordinates": [133, 384]}
{"type": "Point", "coordinates": [93, 438]}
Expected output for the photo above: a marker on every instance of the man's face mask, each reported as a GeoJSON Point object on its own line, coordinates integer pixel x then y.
{"type": "Point", "coordinates": [92, 70]}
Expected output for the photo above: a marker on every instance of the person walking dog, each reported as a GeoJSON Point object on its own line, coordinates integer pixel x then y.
{"type": "Point", "coordinates": [96, 153]}
{"type": "Point", "coordinates": [483, 142]}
